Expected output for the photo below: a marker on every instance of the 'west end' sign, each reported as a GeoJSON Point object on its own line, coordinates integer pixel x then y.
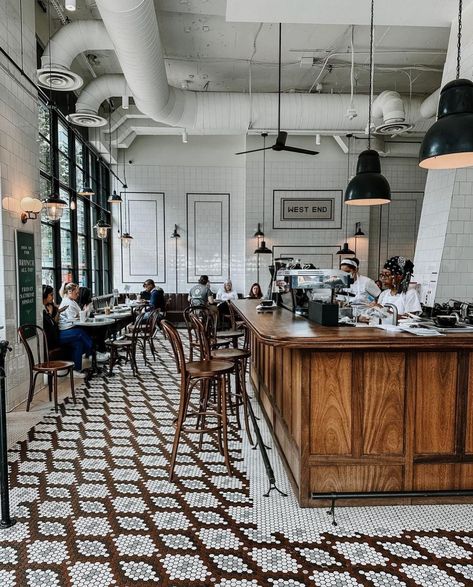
{"type": "Point", "coordinates": [307, 209]}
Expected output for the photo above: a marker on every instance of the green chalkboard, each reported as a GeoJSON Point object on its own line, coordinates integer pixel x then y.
{"type": "Point", "coordinates": [26, 278]}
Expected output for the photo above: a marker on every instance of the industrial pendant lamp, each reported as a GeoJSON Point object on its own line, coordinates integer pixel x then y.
{"type": "Point", "coordinates": [345, 250]}
{"type": "Point", "coordinates": [54, 207]}
{"type": "Point", "coordinates": [262, 249]}
{"type": "Point", "coordinates": [126, 237]}
{"type": "Point", "coordinates": [448, 144]}
{"type": "Point", "coordinates": [368, 187]}
{"type": "Point", "coordinates": [102, 228]}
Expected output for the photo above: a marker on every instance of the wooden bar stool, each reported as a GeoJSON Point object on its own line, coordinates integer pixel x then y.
{"type": "Point", "coordinates": [202, 374]}
{"type": "Point", "coordinates": [238, 358]}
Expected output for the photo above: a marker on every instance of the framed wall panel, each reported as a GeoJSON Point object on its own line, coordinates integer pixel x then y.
{"type": "Point", "coordinates": [323, 257]}
{"type": "Point", "coordinates": [145, 258]}
{"type": "Point", "coordinates": [208, 236]}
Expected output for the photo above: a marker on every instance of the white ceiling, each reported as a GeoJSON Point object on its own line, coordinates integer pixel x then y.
{"type": "Point", "coordinates": [205, 52]}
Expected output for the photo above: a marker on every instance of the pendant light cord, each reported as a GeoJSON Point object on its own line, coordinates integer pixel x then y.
{"type": "Point", "coordinates": [371, 73]}
{"type": "Point", "coordinates": [279, 81]}
{"type": "Point", "coordinates": [348, 181]}
{"type": "Point", "coordinates": [264, 174]}
{"type": "Point", "coordinates": [459, 37]}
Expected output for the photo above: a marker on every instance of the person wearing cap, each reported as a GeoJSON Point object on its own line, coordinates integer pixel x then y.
{"type": "Point", "coordinates": [395, 278]}
{"type": "Point", "coordinates": [362, 290]}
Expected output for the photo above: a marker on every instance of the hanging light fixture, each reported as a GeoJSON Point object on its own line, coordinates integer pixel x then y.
{"type": "Point", "coordinates": [54, 207]}
{"type": "Point", "coordinates": [259, 233]}
{"type": "Point", "coordinates": [102, 228]}
{"type": "Point", "coordinates": [358, 231]}
{"type": "Point", "coordinates": [126, 237]}
{"type": "Point", "coordinates": [448, 144]}
{"type": "Point", "coordinates": [368, 187]}
{"type": "Point", "coordinates": [115, 198]}
{"type": "Point", "coordinates": [262, 249]}
{"type": "Point", "coordinates": [345, 250]}
{"type": "Point", "coordinates": [86, 191]}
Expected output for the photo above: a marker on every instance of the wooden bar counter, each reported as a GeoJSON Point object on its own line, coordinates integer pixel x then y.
{"type": "Point", "coordinates": [364, 410]}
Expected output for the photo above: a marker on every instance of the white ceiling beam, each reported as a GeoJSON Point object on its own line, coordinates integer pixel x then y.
{"type": "Point", "coordinates": [429, 13]}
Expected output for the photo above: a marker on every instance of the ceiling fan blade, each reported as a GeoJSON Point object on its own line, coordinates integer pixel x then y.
{"type": "Point", "coordinates": [298, 150]}
{"type": "Point", "coordinates": [253, 151]}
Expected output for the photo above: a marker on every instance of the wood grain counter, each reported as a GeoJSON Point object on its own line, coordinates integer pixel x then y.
{"type": "Point", "coordinates": [361, 409]}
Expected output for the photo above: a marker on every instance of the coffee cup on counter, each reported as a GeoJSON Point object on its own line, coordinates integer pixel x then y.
{"type": "Point", "coordinates": [446, 320]}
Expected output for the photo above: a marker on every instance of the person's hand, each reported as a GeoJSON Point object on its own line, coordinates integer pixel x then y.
{"type": "Point", "coordinates": [61, 310]}
{"type": "Point", "coordinates": [374, 305]}
{"type": "Point", "coordinates": [363, 319]}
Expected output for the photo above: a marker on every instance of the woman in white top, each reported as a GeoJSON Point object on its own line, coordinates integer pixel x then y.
{"type": "Point", "coordinates": [395, 278]}
{"type": "Point", "coordinates": [363, 290]}
{"type": "Point", "coordinates": [227, 293]}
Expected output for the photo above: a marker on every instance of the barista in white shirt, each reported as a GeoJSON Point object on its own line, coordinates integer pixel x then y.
{"type": "Point", "coordinates": [395, 278]}
{"type": "Point", "coordinates": [363, 289]}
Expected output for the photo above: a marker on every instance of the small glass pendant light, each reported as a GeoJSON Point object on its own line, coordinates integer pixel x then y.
{"type": "Point", "coordinates": [102, 228]}
{"type": "Point", "coordinates": [54, 207]}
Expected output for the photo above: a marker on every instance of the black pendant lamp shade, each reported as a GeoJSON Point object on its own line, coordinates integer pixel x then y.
{"type": "Point", "coordinates": [448, 144]}
{"type": "Point", "coordinates": [358, 231]}
{"type": "Point", "coordinates": [368, 187]}
{"type": "Point", "coordinates": [345, 250]}
{"type": "Point", "coordinates": [259, 233]}
{"type": "Point", "coordinates": [263, 249]}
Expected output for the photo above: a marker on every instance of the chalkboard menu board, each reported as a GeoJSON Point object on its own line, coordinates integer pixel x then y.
{"type": "Point", "coordinates": [26, 278]}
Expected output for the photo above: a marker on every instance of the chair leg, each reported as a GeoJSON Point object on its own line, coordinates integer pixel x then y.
{"type": "Point", "coordinates": [31, 390]}
{"type": "Point", "coordinates": [245, 400]}
{"type": "Point", "coordinates": [73, 391]}
{"type": "Point", "coordinates": [111, 360]}
{"type": "Point", "coordinates": [50, 387]}
{"type": "Point", "coordinates": [223, 401]}
{"type": "Point", "coordinates": [179, 423]}
{"type": "Point", "coordinates": [55, 390]}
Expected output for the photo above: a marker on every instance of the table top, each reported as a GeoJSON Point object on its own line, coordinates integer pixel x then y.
{"type": "Point", "coordinates": [95, 322]}
{"type": "Point", "coordinates": [281, 327]}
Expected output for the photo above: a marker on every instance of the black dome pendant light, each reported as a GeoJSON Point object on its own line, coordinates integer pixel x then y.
{"type": "Point", "coordinates": [368, 187]}
{"type": "Point", "coordinates": [448, 144]}
{"type": "Point", "coordinates": [262, 248]}
{"type": "Point", "coordinates": [345, 250]}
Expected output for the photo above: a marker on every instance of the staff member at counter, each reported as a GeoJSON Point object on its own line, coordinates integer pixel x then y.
{"type": "Point", "coordinates": [363, 289]}
{"type": "Point", "coordinates": [395, 278]}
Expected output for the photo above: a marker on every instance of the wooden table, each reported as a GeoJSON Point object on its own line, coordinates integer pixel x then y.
{"type": "Point", "coordinates": [361, 409]}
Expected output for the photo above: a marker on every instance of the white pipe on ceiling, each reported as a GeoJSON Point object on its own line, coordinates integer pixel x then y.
{"type": "Point", "coordinates": [99, 90]}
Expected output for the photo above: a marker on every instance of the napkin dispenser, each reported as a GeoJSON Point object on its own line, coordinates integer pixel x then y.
{"type": "Point", "coordinates": [323, 313]}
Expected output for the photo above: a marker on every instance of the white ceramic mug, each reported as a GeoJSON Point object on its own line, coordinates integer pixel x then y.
{"type": "Point", "coordinates": [83, 315]}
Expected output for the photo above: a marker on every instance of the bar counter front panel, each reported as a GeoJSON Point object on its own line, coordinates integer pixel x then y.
{"type": "Point", "coordinates": [363, 410]}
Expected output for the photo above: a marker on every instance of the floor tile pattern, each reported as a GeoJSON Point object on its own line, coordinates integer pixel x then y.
{"type": "Point", "coordinates": [95, 509]}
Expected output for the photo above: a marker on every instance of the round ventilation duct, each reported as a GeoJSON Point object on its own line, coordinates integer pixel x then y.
{"type": "Point", "coordinates": [59, 78]}
{"type": "Point", "coordinates": [390, 107]}
{"type": "Point", "coordinates": [88, 119]}
{"type": "Point", "coordinates": [393, 128]}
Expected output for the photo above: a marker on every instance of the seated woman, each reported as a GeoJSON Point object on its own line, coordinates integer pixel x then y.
{"type": "Point", "coordinates": [255, 292]}
{"type": "Point", "coordinates": [74, 339]}
{"type": "Point", "coordinates": [70, 313]}
{"type": "Point", "coordinates": [363, 290]}
{"type": "Point", "coordinates": [84, 299]}
{"type": "Point", "coordinates": [227, 293]}
{"type": "Point", "coordinates": [395, 278]}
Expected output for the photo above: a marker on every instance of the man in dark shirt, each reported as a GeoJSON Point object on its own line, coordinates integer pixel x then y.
{"type": "Point", "coordinates": [156, 300]}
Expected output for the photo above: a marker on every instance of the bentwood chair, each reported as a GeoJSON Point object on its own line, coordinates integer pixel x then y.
{"type": "Point", "coordinates": [196, 378]}
{"type": "Point", "coordinates": [144, 330]}
{"type": "Point", "coordinates": [36, 345]}
{"type": "Point", "coordinates": [127, 345]}
{"type": "Point", "coordinates": [238, 358]}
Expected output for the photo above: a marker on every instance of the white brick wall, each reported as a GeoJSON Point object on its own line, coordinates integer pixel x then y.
{"type": "Point", "coordinates": [18, 176]}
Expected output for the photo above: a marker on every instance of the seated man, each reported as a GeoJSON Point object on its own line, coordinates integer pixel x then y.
{"type": "Point", "coordinates": [156, 296]}
{"type": "Point", "coordinates": [201, 294]}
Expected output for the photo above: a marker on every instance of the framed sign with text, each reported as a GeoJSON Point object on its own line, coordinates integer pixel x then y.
{"type": "Point", "coordinates": [307, 209]}
{"type": "Point", "coordinates": [26, 278]}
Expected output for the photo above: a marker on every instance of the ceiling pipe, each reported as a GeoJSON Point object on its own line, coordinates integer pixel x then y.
{"type": "Point", "coordinates": [428, 108]}
{"type": "Point", "coordinates": [92, 96]}
{"type": "Point", "coordinates": [390, 107]}
{"type": "Point", "coordinates": [133, 28]}
{"type": "Point", "coordinates": [70, 41]}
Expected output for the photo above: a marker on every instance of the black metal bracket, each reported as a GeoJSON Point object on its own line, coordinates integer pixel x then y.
{"type": "Point", "coordinates": [264, 455]}
{"type": "Point", "coordinates": [6, 521]}
{"type": "Point", "coordinates": [333, 497]}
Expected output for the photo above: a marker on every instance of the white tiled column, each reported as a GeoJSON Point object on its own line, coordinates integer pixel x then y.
{"type": "Point", "coordinates": [444, 252]}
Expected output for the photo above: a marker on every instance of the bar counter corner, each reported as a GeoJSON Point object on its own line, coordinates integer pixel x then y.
{"type": "Point", "coordinates": [362, 410]}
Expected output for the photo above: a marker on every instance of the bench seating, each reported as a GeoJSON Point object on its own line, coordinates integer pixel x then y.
{"type": "Point", "coordinates": [175, 306]}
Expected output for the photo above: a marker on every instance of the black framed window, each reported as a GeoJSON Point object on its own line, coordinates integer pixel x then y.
{"type": "Point", "coordinates": [70, 248]}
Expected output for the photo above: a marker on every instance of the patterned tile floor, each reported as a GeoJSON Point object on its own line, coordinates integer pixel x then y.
{"type": "Point", "coordinates": [94, 508]}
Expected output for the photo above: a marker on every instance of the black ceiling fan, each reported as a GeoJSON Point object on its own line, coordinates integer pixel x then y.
{"type": "Point", "coordinates": [280, 144]}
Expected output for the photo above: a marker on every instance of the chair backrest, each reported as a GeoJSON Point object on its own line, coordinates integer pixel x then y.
{"type": "Point", "coordinates": [202, 336]}
{"type": "Point", "coordinates": [35, 342]}
{"type": "Point", "coordinates": [171, 333]}
{"type": "Point", "coordinates": [205, 314]}
{"type": "Point", "coordinates": [138, 326]}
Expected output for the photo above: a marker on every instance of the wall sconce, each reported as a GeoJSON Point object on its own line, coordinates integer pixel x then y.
{"type": "Point", "coordinates": [31, 207]}
{"type": "Point", "coordinates": [126, 239]}
{"type": "Point", "coordinates": [86, 191]}
{"type": "Point", "coordinates": [358, 231]}
{"type": "Point", "coordinates": [102, 228]}
{"type": "Point", "coordinates": [175, 234]}
{"type": "Point", "coordinates": [54, 207]}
